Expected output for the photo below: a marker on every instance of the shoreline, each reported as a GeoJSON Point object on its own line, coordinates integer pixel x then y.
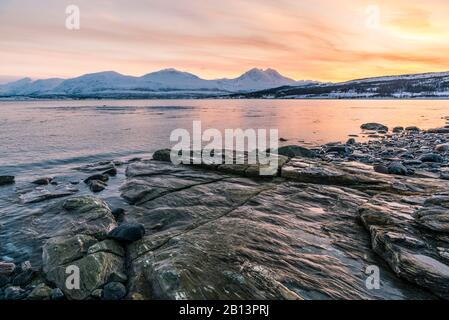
{"type": "Point", "coordinates": [329, 211]}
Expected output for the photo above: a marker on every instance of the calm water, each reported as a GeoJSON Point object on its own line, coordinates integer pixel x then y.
{"type": "Point", "coordinates": [47, 134]}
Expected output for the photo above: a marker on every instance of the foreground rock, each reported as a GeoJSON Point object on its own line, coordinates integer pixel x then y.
{"type": "Point", "coordinates": [6, 180]}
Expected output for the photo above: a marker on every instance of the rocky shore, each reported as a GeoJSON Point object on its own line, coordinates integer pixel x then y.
{"type": "Point", "coordinates": [224, 232]}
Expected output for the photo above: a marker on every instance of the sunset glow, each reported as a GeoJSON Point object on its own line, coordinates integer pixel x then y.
{"type": "Point", "coordinates": [303, 39]}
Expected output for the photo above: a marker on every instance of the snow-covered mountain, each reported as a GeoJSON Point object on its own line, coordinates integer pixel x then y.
{"type": "Point", "coordinates": [423, 85]}
{"type": "Point", "coordinates": [167, 82]}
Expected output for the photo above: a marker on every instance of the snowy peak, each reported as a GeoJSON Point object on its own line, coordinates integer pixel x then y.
{"type": "Point", "coordinates": [166, 81]}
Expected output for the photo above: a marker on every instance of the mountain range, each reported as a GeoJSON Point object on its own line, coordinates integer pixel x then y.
{"type": "Point", "coordinates": [163, 83]}
{"type": "Point", "coordinates": [255, 83]}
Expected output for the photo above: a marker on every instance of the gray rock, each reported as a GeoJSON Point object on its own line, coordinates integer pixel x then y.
{"type": "Point", "coordinates": [162, 155]}
{"type": "Point", "coordinates": [431, 157]}
{"type": "Point", "coordinates": [351, 141]}
{"type": "Point", "coordinates": [442, 147]}
{"type": "Point", "coordinates": [14, 293]}
{"type": "Point", "coordinates": [111, 172]}
{"type": "Point", "coordinates": [98, 177]}
{"type": "Point", "coordinates": [41, 292]}
{"type": "Point", "coordinates": [6, 180]}
{"type": "Point", "coordinates": [114, 291]}
{"type": "Point", "coordinates": [412, 129]}
{"type": "Point", "coordinates": [42, 181]}
{"type": "Point", "coordinates": [57, 294]}
{"type": "Point", "coordinates": [398, 129]}
{"type": "Point", "coordinates": [97, 294]}
{"type": "Point", "coordinates": [374, 126]}
{"type": "Point", "coordinates": [6, 268]}
{"type": "Point", "coordinates": [128, 232]}
{"type": "Point", "coordinates": [397, 168]}
{"type": "Point", "coordinates": [294, 151]}
{"type": "Point", "coordinates": [381, 168]}
{"type": "Point", "coordinates": [97, 186]}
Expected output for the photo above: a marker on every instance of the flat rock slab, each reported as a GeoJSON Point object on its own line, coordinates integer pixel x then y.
{"type": "Point", "coordinates": [220, 236]}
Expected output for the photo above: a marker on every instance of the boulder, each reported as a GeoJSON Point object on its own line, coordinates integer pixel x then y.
{"type": "Point", "coordinates": [6, 268]}
{"type": "Point", "coordinates": [373, 126]}
{"type": "Point", "coordinates": [41, 292]}
{"type": "Point", "coordinates": [14, 293]}
{"type": "Point", "coordinates": [114, 291]}
{"type": "Point", "coordinates": [128, 232]}
{"type": "Point", "coordinates": [442, 147]}
{"type": "Point", "coordinates": [398, 129]}
{"type": "Point", "coordinates": [294, 152]}
{"type": "Point", "coordinates": [42, 181]}
{"type": "Point", "coordinates": [397, 168]}
{"type": "Point", "coordinates": [431, 157]}
{"type": "Point", "coordinates": [162, 155]}
{"type": "Point", "coordinates": [5, 180]}
{"type": "Point", "coordinates": [97, 186]}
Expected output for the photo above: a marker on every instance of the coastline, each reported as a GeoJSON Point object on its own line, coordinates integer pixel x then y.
{"type": "Point", "coordinates": [220, 232]}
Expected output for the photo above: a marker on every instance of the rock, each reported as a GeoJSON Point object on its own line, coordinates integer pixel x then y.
{"type": "Point", "coordinates": [24, 278]}
{"type": "Point", "coordinates": [118, 213]}
{"type": "Point", "coordinates": [14, 293]}
{"type": "Point", "coordinates": [397, 168]}
{"type": "Point", "coordinates": [97, 294]}
{"type": "Point", "coordinates": [412, 129]}
{"type": "Point", "coordinates": [128, 232]}
{"type": "Point", "coordinates": [41, 292]}
{"type": "Point", "coordinates": [294, 151]}
{"type": "Point", "coordinates": [442, 147]}
{"type": "Point", "coordinates": [98, 177]}
{"type": "Point", "coordinates": [114, 291]}
{"type": "Point", "coordinates": [6, 268]}
{"type": "Point", "coordinates": [374, 127]}
{"type": "Point", "coordinates": [118, 277]}
{"type": "Point", "coordinates": [42, 181]}
{"type": "Point", "coordinates": [162, 155]}
{"type": "Point", "coordinates": [4, 280]}
{"type": "Point", "coordinates": [398, 129]}
{"type": "Point", "coordinates": [381, 168]}
{"type": "Point", "coordinates": [107, 245]}
{"type": "Point", "coordinates": [340, 149]}
{"type": "Point", "coordinates": [283, 139]}
{"type": "Point", "coordinates": [351, 141]}
{"type": "Point", "coordinates": [97, 186]}
{"type": "Point", "coordinates": [438, 130]}
{"type": "Point", "coordinates": [5, 180]}
{"type": "Point", "coordinates": [57, 294]}
{"type": "Point", "coordinates": [111, 172]}
{"type": "Point", "coordinates": [431, 157]}
{"type": "Point", "coordinates": [435, 219]}
{"type": "Point", "coordinates": [25, 266]}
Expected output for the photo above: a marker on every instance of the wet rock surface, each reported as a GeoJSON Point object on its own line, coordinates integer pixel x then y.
{"type": "Point", "coordinates": [222, 231]}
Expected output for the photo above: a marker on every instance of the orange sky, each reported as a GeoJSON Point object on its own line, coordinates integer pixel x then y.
{"type": "Point", "coordinates": [327, 40]}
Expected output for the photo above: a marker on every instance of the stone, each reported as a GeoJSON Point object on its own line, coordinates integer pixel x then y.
{"type": "Point", "coordinates": [111, 172]}
{"type": "Point", "coordinates": [97, 294]}
{"type": "Point", "coordinates": [340, 149]}
{"type": "Point", "coordinates": [398, 129]}
{"type": "Point", "coordinates": [6, 268]}
{"type": "Point", "coordinates": [438, 130]}
{"type": "Point", "coordinates": [6, 180]}
{"type": "Point", "coordinates": [98, 177]}
{"type": "Point", "coordinates": [114, 291]}
{"type": "Point", "coordinates": [118, 277]}
{"type": "Point", "coordinates": [294, 151]}
{"type": "Point", "coordinates": [4, 280]}
{"type": "Point", "coordinates": [412, 129]}
{"type": "Point", "coordinates": [374, 126]}
{"type": "Point", "coordinates": [162, 155]}
{"type": "Point", "coordinates": [128, 232]}
{"type": "Point", "coordinates": [97, 186]}
{"type": "Point", "coordinates": [57, 294]}
{"type": "Point", "coordinates": [41, 292]}
{"type": "Point", "coordinates": [397, 168]}
{"type": "Point", "coordinates": [25, 266]}
{"type": "Point", "coordinates": [431, 157]}
{"type": "Point", "coordinates": [381, 168]}
{"type": "Point", "coordinates": [435, 219]}
{"type": "Point", "coordinates": [118, 213]}
{"type": "Point", "coordinates": [442, 147]}
{"type": "Point", "coordinates": [14, 293]}
{"type": "Point", "coordinates": [351, 141]}
{"type": "Point", "coordinates": [42, 181]}
{"type": "Point", "coordinates": [24, 278]}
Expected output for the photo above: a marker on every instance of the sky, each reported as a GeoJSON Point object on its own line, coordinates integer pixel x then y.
{"type": "Point", "coordinates": [325, 40]}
